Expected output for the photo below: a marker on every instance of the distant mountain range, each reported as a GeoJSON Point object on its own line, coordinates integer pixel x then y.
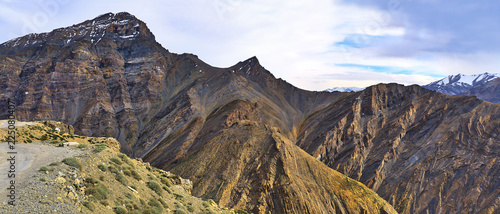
{"type": "Point", "coordinates": [484, 86]}
{"type": "Point", "coordinates": [344, 89]}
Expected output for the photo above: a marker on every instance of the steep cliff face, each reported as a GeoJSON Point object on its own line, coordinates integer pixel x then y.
{"type": "Point", "coordinates": [99, 75]}
{"type": "Point", "coordinates": [420, 150]}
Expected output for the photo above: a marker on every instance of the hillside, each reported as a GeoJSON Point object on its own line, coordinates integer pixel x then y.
{"type": "Point", "coordinates": [94, 177]}
{"type": "Point", "coordinates": [420, 150]}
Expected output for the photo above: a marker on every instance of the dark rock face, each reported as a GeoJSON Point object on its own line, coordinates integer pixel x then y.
{"type": "Point", "coordinates": [237, 132]}
{"type": "Point", "coordinates": [420, 150]}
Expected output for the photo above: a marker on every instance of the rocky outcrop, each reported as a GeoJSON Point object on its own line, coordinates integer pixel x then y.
{"type": "Point", "coordinates": [420, 150]}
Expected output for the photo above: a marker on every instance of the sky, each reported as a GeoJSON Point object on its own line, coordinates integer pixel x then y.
{"type": "Point", "coordinates": [313, 45]}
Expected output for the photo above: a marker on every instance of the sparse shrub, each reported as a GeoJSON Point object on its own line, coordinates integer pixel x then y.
{"type": "Point", "coordinates": [135, 175]}
{"type": "Point", "coordinates": [113, 169]}
{"type": "Point", "coordinates": [120, 210]}
{"type": "Point", "coordinates": [55, 164]}
{"type": "Point", "coordinates": [128, 195]}
{"type": "Point", "coordinates": [104, 202]}
{"type": "Point", "coordinates": [190, 208]}
{"type": "Point", "coordinates": [240, 212]}
{"type": "Point", "coordinates": [99, 191]}
{"type": "Point", "coordinates": [101, 177]}
{"type": "Point", "coordinates": [91, 180]}
{"type": "Point", "coordinates": [163, 203]}
{"type": "Point", "coordinates": [99, 147]}
{"type": "Point", "coordinates": [179, 211]}
{"type": "Point", "coordinates": [72, 162]}
{"type": "Point", "coordinates": [89, 205]}
{"type": "Point", "coordinates": [43, 169]}
{"type": "Point", "coordinates": [154, 203]}
{"type": "Point", "coordinates": [166, 181]}
{"type": "Point", "coordinates": [167, 189]}
{"type": "Point", "coordinates": [209, 211]}
{"type": "Point", "coordinates": [54, 142]}
{"type": "Point", "coordinates": [116, 160]}
{"type": "Point", "coordinates": [126, 172]}
{"type": "Point", "coordinates": [143, 203]}
{"type": "Point", "coordinates": [205, 204]}
{"type": "Point", "coordinates": [121, 178]}
{"type": "Point", "coordinates": [155, 187]}
{"type": "Point", "coordinates": [42, 179]}
{"type": "Point", "coordinates": [82, 145]}
{"type": "Point", "coordinates": [102, 167]}
{"type": "Point", "coordinates": [178, 197]}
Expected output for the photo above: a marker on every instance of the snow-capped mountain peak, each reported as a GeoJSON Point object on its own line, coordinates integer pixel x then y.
{"type": "Point", "coordinates": [457, 84]}
{"type": "Point", "coordinates": [344, 89]}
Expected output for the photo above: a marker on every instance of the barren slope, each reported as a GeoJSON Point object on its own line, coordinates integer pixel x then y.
{"type": "Point", "coordinates": [420, 150]}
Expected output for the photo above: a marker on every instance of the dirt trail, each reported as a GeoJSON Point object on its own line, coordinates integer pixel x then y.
{"type": "Point", "coordinates": [29, 159]}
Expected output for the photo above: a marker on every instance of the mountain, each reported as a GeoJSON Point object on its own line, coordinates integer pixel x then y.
{"type": "Point", "coordinates": [109, 77]}
{"type": "Point", "coordinates": [420, 150]}
{"type": "Point", "coordinates": [489, 91]}
{"type": "Point", "coordinates": [480, 85]}
{"type": "Point", "coordinates": [251, 141]}
{"type": "Point", "coordinates": [344, 89]}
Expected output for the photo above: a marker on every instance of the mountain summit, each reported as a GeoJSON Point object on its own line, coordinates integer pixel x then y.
{"type": "Point", "coordinates": [119, 27]}
{"type": "Point", "coordinates": [457, 84]}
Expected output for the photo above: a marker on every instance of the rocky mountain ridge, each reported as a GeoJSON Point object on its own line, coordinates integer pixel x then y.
{"type": "Point", "coordinates": [183, 115]}
{"type": "Point", "coordinates": [163, 106]}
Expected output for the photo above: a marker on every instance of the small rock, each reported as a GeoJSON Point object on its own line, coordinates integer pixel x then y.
{"type": "Point", "coordinates": [60, 180]}
{"type": "Point", "coordinates": [71, 195]}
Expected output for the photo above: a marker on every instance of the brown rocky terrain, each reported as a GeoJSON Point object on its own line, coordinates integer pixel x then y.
{"type": "Point", "coordinates": [243, 163]}
{"type": "Point", "coordinates": [422, 151]}
{"type": "Point", "coordinates": [98, 179]}
{"type": "Point", "coordinates": [240, 134]}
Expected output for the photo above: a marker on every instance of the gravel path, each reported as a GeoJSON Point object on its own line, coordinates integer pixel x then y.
{"type": "Point", "coordinates": [29, 159]}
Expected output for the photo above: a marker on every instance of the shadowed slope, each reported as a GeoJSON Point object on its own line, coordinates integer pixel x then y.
{"type": "Point", "coordinates": [243, 163]}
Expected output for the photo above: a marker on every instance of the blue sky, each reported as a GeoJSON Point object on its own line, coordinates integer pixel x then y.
{"type": "Point", "coordinates": [312, 44]}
